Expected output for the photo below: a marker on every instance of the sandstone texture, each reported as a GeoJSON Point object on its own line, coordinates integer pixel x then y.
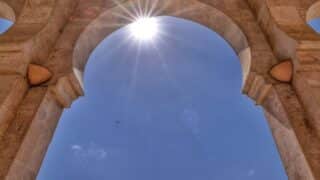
{"type": "Point", "coordinates": [44, 54]}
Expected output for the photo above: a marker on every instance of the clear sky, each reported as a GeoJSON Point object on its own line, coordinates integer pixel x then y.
{"type": "Point", "coordinates": [172, 111]}
{"type": "Point", "coordinates": [4, 25]}
{"type": "Point", "coordinates": [315, 24]}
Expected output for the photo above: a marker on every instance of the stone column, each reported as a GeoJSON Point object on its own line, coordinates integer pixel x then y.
{"type": "Point", "coordinates": [26, 138]}
{"type": "Point", "coordinates": [16, 132]}
{"type": "Point", "coordinates": [293, 136]}
{"type": "Point", "coordinates": [307, 83]}
{"type": "Point", "coordinates": [12, 90]}
{"type": "Point", "coordinates": [296, 142]}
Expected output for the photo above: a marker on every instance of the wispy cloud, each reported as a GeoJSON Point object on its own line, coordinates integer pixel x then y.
{"type": "Point", "coordinates": [191, 119]}
{"type": "Point", "coordinates": [76, 147]}
{"type": "Point", "coordinates": [92, 151]}
{"type": "Point", "coordinates": [251, 172]}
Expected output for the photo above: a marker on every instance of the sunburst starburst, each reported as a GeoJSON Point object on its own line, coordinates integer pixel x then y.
{"type": "Point", "coordinates": [144, 28]}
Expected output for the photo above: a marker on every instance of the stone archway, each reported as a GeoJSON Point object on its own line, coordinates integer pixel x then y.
{"type": "Point", "coordinates": [7, 12]}
{"type": "Point", "coordinates": [198, 12]}
{"type": "Point", "coordinates": [65, 36]}
{"type": "Point", "coordinates": [313, 12]}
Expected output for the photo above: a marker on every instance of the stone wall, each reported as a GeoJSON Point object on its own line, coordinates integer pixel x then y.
{"type": "Point", "coordinates": [57, 37]}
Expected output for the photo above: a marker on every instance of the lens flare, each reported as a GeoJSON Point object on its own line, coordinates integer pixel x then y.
{"type": "Point", "coordinates": [144, 28]}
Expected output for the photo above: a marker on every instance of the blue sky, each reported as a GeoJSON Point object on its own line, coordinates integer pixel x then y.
{"type": "Point", "coordinates": [315, 24]}
{"type": "Point", "coordinates": [171, 112]}
{"type": "Point", "coordinates": [4, 25]}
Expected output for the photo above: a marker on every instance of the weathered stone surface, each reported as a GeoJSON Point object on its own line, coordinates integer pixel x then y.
{"type": "Point", "coordinates": [61, 34]}
{"type": "Point", "coordinates": [38, 74]}
{"type": "Point", "coordinates": [6, 12]}
{"type": "Point", "coordinates": [283, 72]}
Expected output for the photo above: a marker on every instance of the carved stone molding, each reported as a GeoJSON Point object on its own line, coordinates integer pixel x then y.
{"type": "Point", "coordinates": [258, 89]}
{"type": "Point", "coordinates": [66, 90]}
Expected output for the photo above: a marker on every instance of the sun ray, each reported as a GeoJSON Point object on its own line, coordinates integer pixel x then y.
{"type": "Point", "coordinates": [140, 8]}
{"type": "Point", "coordinates": [135, 9]}
{"type": "Point", "coordinates": [123, 16]}
{"type": "Point", "coordinates": [124, 9]}
{"type": "Point", "coordinates": [152, 8]}
{"type": "Point", "coordinates": [133, 79]}
{"type": "Point", "coordinates": [144, 28]}
{"type": "Point", "coordinates": [142, 18]}
{"type": "Point", "coordinates": [146, 8]}
{"type": "Point", "coordinates": [160, 9]}
{"type": "Point", "coordinates": [166, 67]}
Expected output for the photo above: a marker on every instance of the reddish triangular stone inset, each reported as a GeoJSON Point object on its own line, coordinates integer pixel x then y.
{"type": "Point", "coordinates": [283, 71]}
{"type": "Point", "coordinates": [38, 74]}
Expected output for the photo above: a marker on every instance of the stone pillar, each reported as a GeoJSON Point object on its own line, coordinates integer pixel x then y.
{"type": "Point", "coordinates": [12, 91]}
{"type": "Point", "coordinates": [293, 136]}
{"type": "Point", "coordinates": [28, 135]}
{"type": "Point", "coordinates": [16, 132]}
{"type": "Point", "coordinates": [297, 144]}
{"type": "Point", "coordinates": [307, 83]}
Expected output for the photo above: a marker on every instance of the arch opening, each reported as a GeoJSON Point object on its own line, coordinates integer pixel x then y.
{"type": "Point", "coordinates": [7, 17]}
{"type": "Point", "coordinates": [5, 25]}
{"type": "Point", "coordinates": [189, 73]}
{"type": "Point", "coordinates": [315, 24]}
{"type": "Point", "coordinates": [164, 22]}
{"type": "Point", "coordinates": [192, 10]}
{"type": "Point", "coordinates": [313, 17]}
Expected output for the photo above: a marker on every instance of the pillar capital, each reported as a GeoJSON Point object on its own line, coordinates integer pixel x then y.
{"type": "Point", "coordinates": [66, 90]}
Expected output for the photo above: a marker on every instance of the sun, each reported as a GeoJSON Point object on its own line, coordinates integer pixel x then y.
{"type": "Point", "coordinates": [144, 28]}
